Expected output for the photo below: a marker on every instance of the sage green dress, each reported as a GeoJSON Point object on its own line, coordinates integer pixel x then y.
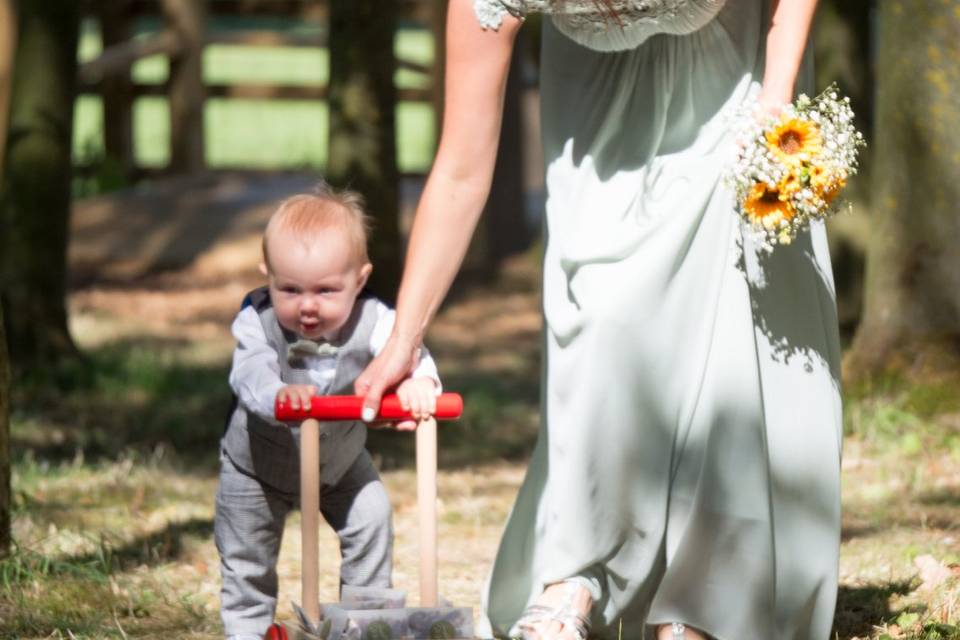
{"type": "Point", "coordinates": [689, 455]}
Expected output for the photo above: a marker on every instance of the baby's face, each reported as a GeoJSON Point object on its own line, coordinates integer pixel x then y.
{"type": "Point", "coordinates": [314, 283]}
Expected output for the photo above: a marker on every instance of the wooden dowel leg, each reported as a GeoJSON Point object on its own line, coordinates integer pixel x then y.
{"type": "Point", "coordinates": [310, 518]}
{"type": "Point", "coordinates": [427, 507]}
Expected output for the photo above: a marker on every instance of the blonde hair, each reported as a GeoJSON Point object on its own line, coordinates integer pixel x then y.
{"type": "Point", "coordinates": [309, 214]}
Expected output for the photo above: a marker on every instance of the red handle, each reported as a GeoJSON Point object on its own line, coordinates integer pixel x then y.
{"type": "Point", "coordinates": [449, 407]}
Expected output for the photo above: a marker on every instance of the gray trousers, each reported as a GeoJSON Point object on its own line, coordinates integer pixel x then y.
{"type": "Point", "coordinates": [248, 527]}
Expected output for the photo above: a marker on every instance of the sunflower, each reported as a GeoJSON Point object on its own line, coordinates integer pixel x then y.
{"type": "Point", "coordinates": [794, 140]}
{"type": "Point", "coordinates": [830, 191]}
{"type": "Point", "coordinates": [792, 182]}
{"type": "Point", "coordinates": [820, 178]}
{"type": "Point", "coordinates": [766, 206]}
{"type": "Point", "coordinates": [825, 183]}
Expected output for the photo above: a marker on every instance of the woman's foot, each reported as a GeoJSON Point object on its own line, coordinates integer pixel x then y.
{"type": "Point", "coordinates": [678, 631]}
{"type": "Point", "coordinates": [562, 612]}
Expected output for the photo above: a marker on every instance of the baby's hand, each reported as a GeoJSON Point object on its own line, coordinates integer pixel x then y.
{"type": "Point", "coordinates": [297, 395]}
{"type": "Point", "coordinates": [419, 397]}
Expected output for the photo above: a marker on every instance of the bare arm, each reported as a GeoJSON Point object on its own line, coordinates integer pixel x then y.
{"type": "Point", "coordinates": [786, 41]}
{"type": "Point", "coordinates": [456, 190]}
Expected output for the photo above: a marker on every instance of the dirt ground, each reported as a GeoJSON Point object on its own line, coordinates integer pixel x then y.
{"type": "Point", "coordinates": [167, 269]}
{"type": "Point", "coordinates": [147, 270]}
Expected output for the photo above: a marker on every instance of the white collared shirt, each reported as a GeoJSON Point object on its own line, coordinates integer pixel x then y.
{"type": "Point", "coordinates": [255, 374]}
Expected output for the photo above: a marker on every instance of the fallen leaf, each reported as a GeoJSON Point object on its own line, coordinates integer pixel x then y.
{"type": "Point", "coordinates": [932, 572]}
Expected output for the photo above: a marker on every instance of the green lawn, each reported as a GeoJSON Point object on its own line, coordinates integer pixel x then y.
{"type": "Point", "coordinates": [114, 474]}
{"type": "Point", "coordinates": [258, 133]}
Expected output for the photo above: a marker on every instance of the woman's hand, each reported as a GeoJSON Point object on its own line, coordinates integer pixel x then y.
{"type": "Point", "coordinates": [394, 363]}
{"type": "Point", "coordinates": [772, 101]}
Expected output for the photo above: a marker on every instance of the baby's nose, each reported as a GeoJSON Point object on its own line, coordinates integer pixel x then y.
{"type": "Point", "coordinates": [308, 303]}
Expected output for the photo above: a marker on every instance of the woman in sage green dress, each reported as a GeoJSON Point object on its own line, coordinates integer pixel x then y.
{"type": "Point", "coordinates": [685, 483]}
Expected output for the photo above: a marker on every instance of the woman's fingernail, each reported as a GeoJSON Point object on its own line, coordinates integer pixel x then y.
{"type": "Point", "coordinates": [368, 414]}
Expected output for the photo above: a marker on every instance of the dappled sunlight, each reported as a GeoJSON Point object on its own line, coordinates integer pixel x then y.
{"type": "Point", "coordinates": [115, 473]}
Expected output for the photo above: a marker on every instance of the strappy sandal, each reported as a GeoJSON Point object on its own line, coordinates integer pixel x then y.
{"type": "Point", "coordinates": [678, 630]}
{"type": "Point", "coordinates": [537, 615]}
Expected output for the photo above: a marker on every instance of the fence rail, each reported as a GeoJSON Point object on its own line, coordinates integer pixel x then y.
{"type": "Point", "coordinates": [182, 40]}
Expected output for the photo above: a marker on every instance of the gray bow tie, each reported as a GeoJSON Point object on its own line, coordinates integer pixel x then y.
{"type": "Point", "coordinates": [303, 348]}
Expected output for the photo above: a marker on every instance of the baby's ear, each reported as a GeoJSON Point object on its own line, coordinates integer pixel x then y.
{"type": "Point", "coordinates": [263, 269]}
{"type": "Point", "coordinates": [365, 272]}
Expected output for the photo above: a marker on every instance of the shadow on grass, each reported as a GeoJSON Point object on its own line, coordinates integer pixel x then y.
{"type": "Point", "coordinates": [79, 593]}
{"type": "Point", "coordinates": [160, 547]}
{"type": "Point", "coordinates": [129, 395]}
{"type": "Point", "coordinates": [141, 395]}
{"type": "Point", "coordinates": [940, 498]}
{"type": "Point", "coordinates": [500, 418]}
{"type": "Point", "coordinates": [861, 609]}
{"type": "Point", "coordinates": [849, 532]}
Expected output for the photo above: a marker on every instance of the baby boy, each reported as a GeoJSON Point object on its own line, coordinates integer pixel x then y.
{"type": "Point", "coordinates": [311, 331]}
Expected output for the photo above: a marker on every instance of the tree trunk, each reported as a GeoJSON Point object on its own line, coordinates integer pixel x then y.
{"type": "Point", "coordinates": [843, 48]}
{"type": "Point", "coordinates": [117, 90]}
{"type": "Point", "coordinates": [8, 36]}
{"type": "Point", "coordinates": [504, 229]}
{"type": "Point", "coordinates": [35, 186]}
{"type": "Point", "coordinates": [912, 298]}
{"type": "Point", "coordinates": [845, 42]}
{"type": "Point", "coordinates": [438, 27]}
{"type": "Point", "coordinates": [8, 41]}
{"type": "Point", "coordinates": [508, 231]}
{"type": "Point", "coordinates": [187, 91]}
{"type": "Point", "coordinates": [362, 148]}
{"type": "Point", "coordinates": [6, 495]}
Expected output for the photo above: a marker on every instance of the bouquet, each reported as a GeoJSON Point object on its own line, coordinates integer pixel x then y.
{"type": "Point", "coordinates": [792, 167]}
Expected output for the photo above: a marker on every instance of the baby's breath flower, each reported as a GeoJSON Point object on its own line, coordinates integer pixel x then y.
{"type": "Point", "coordinates": [790, 168]}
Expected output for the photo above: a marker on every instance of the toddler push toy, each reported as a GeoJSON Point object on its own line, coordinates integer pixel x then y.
{"type": "Point", "coordinates": [368, 613]}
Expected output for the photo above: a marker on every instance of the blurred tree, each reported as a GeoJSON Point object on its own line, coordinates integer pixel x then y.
{"type": "Point", "coordinates": [505, 229]}
{"type": "Point", "coordinates": [188, 19]}
{"type": "Point", "coordinates": [506, 222]}
{"type": "Point", "coordinates": [912, 298]}
{"type": "Point", "coordinates": [843, 46]}
{"type": "Point", "coordinates": [362, 149]}
{"type": "Point", "coordinates": [7, 42]}
{"type": "Point", "coordinates": [35, 184]}
{"type": "Point", "coordinates": [6, 496]}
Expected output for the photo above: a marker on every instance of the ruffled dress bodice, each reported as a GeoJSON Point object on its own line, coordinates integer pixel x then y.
{"type": "Point", "coordinates": [602, 26]}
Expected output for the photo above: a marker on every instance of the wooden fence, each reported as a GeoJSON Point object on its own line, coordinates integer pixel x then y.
{"type": "Point", "coordinates": [183, 38]}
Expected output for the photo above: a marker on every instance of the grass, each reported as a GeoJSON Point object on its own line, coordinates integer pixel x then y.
{"type": "Point", "coordinates": [124, 397]}
{"type": "Point", "coordinates": [119, 537]}
{"type": "Point", "coordinates": [910, 414]}
{"type": "Point", "coordinates": [115, 471]}
{"type": "Point", "coordinates": [257, 133]}
{"type": "Point", "coordinates": [93, 538]}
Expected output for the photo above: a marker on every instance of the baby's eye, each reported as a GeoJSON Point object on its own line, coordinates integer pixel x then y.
{"type": "Point", "coordinates": [288, 289]}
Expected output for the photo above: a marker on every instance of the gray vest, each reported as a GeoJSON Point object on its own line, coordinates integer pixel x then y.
{"type": "Point", "coordinates": [271, 453]}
